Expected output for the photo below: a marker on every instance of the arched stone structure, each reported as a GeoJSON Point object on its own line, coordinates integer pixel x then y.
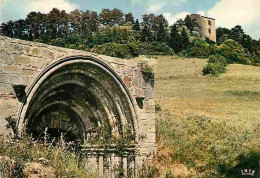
{"type": "Point", "coordinates": [86, 91]}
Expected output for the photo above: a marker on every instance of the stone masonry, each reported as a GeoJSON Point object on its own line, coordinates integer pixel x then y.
{"type": "Point", "coordinates": [23, 63]}
{"type": "Point", "coordinates": [206, 26]}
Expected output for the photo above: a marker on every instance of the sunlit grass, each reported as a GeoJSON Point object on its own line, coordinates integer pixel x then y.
{"type": "Point", "coordinates": [205, 122]}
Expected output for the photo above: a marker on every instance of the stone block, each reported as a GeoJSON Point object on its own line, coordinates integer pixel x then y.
{"type": "Point", "coordinates": [135, 82]}
{"type": "Point", "coordinates": [15, 79]}
{"type": "Point", "coordinates": [137, 72]}
{"type": "Point", "coordinates": [15, 49]}
{"type": "Point", "coordinates": [28, 51]}
{"type": "Point", "coordinates": [23, 60]}
{"type": "Point", "coordinates": [11, 69]}
{"type": "Point", "coordinates": [47, 54]}
{"type": "Point", "coordinates": [28, 71]}
{"type": "Point", "coordinates": [149, 94]}
{"type": "Point", "coordinates": [128, 81]}
{"type": "Point", "coordinates": [37, 62]}
{"type": "Point", "coordinates": [35, 51]}
{"type": "Point", "coordinates": [6, 59]}
{"type": "Point", "coordinates": [5, 88]}
{"type": "Point", "coordinates": [3, 78]}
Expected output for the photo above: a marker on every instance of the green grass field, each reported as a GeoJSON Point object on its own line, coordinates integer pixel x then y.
{"type": "Point", "coordinates": [206, 123]}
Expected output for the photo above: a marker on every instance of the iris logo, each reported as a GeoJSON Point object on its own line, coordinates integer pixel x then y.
{"type": "Point", "coordinates": [248, 172]}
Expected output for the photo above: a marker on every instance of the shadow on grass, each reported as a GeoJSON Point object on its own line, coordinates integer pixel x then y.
{"type": "Point", "coordinates": [250, 162]}
{"type": "Point", "coordinates": [246, 93]}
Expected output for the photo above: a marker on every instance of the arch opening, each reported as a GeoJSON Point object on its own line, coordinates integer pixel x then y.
{"type": "Point", "coordinates": [81, 99]}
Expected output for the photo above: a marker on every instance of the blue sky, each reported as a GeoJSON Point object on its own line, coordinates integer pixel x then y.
{"type": "Point", "coordinates": [228, 13]}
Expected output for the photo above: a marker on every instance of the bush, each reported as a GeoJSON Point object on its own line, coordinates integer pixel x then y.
{"type": "Point", "coordinates": [216, 64]}
{"type": "Point", "coordinates": [200, 49]}
{"type": "Point", "coordinates": [233, 52]}
{"type": "Point", "coordinates": [156, 48]}
{"type": "Point", "coordinates": [214, 69]}
{"type": "Point", "coordinates": [218, 59]}
{"type": "Point", "coordinates": [115, 50]}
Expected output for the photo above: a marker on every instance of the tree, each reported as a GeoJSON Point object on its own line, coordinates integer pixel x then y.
{"type": "Point", "coordinates": [117, 17]}
{"type": "Point", "coordinates": [129, 17]}
{"type": "Point", "coordinates": [175, 39]}
{"type": "Point", "coordinates": [233, 52]}
{"type": "Point", "coordinates": [160, 26]}
{"type": "Point", "coordinates": [75, 18]}
{"type": "Point", "coordinates": [188, 22]}
{"type": "Point", "coordinates": [146, 34]}
{"type": "Point", "coordinates": [184, 39]}
{"type": "Point", "coordinates": [161, 33]}
{"type": "Point", "coordinates": [236, 33]}
{"type": "Point", "coordinates": [148, 20]}
{"type": "Point", "coordinates": [180, 22]}
{"type": "Point", "coordinates": [7, 29]}
{"type": "Point", "coordinates": [136, 26]}
{"type": "Point", "coordinates": [105, 17]}
{"type": "Point", "coordinates": [89, 22]}
{"type": "Point", "coordinates": [20, 28]}
{"type": "Point", "coordinates": [220, 32]}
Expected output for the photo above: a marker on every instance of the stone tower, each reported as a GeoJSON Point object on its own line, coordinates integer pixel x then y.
{"type": "Point", "coordinates": [205, 26]}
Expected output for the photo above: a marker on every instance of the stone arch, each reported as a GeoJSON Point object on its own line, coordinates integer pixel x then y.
{"type": "Point", "coordinates": [85, 91]}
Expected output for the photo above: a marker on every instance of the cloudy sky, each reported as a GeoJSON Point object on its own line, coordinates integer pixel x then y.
{"type": "Point", "coordinates": [227, 13]}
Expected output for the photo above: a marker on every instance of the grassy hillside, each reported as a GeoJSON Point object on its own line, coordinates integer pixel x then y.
{"type": "Point", "coordinates": [205, 122]}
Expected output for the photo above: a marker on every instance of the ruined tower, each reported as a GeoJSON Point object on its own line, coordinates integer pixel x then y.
{"type": "Point", "coordinates": [205, 26]}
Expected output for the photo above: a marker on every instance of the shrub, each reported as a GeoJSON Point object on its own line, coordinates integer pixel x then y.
{"type": "Point", "coordinates": [156, 48]}
{"type": "Point", "coordinates": [214, 69]}
{"type": "Point", "coordinates": [218, 59]}
{"type": "Point", "coordinates": [233, 52]}
{"type": "Point", "coordinates": [147, 72]}
{"type": "Point", "coordinates": [216, 64]}
{"type": "Point", "coordinates": [200, 49]}
{"type": "Point", "coordinates": [114, 50]}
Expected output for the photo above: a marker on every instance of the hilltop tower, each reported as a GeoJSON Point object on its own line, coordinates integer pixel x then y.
{"type": "Point", "coordinates": [205, 26]}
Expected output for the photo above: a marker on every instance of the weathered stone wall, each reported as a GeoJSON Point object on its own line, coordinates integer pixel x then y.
{"type": "Point", "coordinates": [206, 26]}
{"type": "Point", "coordinates": [21, 62]}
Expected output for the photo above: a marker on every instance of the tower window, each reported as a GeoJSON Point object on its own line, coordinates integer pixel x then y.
{"type": "Point", "coordinates": [209, 22]}
{"type": "Point", "coordinates": [209, 31]}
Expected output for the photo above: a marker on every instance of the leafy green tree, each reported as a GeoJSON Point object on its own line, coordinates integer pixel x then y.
{"type": "Point", "coordinates": [146, 34]}
{"type": "Point", "coordinates": [233, 52]}
{"type": "Point", "coordinates": [129, 18]}
{"type": "Point", "coordinates": [148, 20]}
{"type": "Point", "coordinates": [105, 17]}
{"type": "Point", "coordinates": [161, 35]}
{"type": "Point", "coordinates": [236, 34]}
{"type": "Point", "coordinates": [175, 39]}
{"type": "Point", "coordinates": [89, 22]}
{"type": "Point", "coordinates": [117, 17]}
{"type": "Point", "coordinates": [184, 39]}
{"type": "Point", "coordinates": [180, 22]}
{"type": "Point", "coordinates": [75, 18]}
{"type": "Point", "coordinates": [220, 32]}
{"type": "Point", "coordinates": [7, 29]}
{"type": "Point", "coordinates": [136, 26]}
{"type": "Point", "coordinates": [160, 27]}
{"type": "Point", "coordinates": [189, 23]}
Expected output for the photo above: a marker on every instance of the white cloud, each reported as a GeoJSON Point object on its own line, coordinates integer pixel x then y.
{"type": "Point", "coordinates": [232, 12]}
{"type": "Point", "coordinates": [246, 13]}
{"type": "Point", "coordinates": [172, 18]}
{"type": "Point", "coordinates": [45, 6]}
{"type": "Point", "coordinates": [155, 7]}
{"type": "Point", "coordinates": [229, 13]}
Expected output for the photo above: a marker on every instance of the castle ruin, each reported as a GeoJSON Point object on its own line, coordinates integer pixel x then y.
{"type": "Point", "coordinates": [205, 26]}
